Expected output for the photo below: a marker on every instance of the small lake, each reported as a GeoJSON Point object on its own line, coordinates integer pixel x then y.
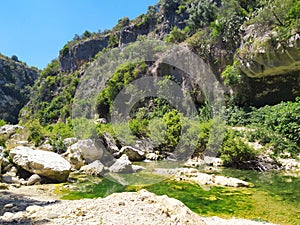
{"type": "Point", "coordinates": [275, 196]}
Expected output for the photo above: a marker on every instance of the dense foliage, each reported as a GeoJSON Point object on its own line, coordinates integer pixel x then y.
{"type": "Point", "coordinates": [124, 75]}
{"type": "Point", "coordinates": [52, 95]}
{"type": "Point", "coordinates": [277, 126]}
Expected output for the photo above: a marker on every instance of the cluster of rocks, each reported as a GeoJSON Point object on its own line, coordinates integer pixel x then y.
{"type": "Point", "coordinates": [26, 164]}
{"type": "Point", "coordinates": [203, 179]}
{"type": "Point", "coordinates": [290, 164]}
{"type": "Point", "coordinates": [140, 207]}
{"type": "Point", "coordinates": [193, 175]}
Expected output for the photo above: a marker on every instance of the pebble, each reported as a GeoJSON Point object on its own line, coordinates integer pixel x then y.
{"type": "Point", "coordinates": [8, 206]}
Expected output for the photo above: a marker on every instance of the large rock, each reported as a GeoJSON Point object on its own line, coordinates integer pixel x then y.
{"type": "Point", "coordinates": [193, 175]}
{"type": "Point", "coordinates": [290, 164]}
{"type": "Point", "coordinates": [70, 141]}
{"type": "Point", "coordinates": [122, 165]}
{"type": "Point", "coordinates": [8, 130]}
{"type": "Point", "coordinates": [47, 164]}
{"type": "Point", "coordinates": [83, 152]}
{"type": "Point", "coordinates": [74, 157]}
{"type": "Point", "coordinates": [132, 153]}
{"type": "Point", "coordinates": [95, 168]}
{"type": "Point", "coordinates": [76, 54]}
{"type": "Point", "coordinates": [110, 143]}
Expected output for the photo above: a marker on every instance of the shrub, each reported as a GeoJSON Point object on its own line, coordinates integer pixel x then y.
{"type": "Point", "coordinates": [176, 35]}
{"type": "Point", "coordinates": [2, 142]}
{"type": "Point", "coordinates": [36, 134]}
{"type": "Point", "coordinates": [65, 50]}
{"type": "Point", "coordinates": [58, 144]}
{"type": "Point", "coordinates": [232, 74]}
{"type": "Point", "coordinates": [2, 122]}
{"type": "Point", "coordinates": [235, 150]}
{"type": "Point", "coordinates": [201, 14]}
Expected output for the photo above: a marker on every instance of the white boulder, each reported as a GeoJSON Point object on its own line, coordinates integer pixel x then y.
{"type": "Point", "coordinates": [122, 165]}
{"type": "Point", "coordinates": [96, 168]}
{"type": "Point", "coordinates": [87, 149]}
{"type": "Point", "coordinates": [44, 163]}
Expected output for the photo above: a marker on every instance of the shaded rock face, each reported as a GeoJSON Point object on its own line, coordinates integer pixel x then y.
{"type": "Point", "coordinates": [188, 83]}
{"type": "Point", "coordinates": [273, 89]}
{"type": "Point", "coordinates": [263, 55]}
{"type": "Point", "coordinates": [15, 81]}
{"type": "Point", "coordinates": [71, 58]}
{"type": "Point", "coordinates": [47, 164]}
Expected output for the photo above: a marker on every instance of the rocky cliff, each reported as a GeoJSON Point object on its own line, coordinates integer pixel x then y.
{"type": "Point", "coordinates": [16, 80]}
{"type": "Point", "coordinates": [262, 54]}
{"type": "Point", "coordinates": [73, 55]}
{"type": "Point", "coordinates": [222, 33]}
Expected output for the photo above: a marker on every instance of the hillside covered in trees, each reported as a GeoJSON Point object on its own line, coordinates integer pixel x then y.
{"type": "Point", "coordinates": [252, 47]}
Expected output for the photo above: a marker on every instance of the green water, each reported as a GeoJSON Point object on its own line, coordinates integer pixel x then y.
{"type": "Point", "coordinates": [274, 198]}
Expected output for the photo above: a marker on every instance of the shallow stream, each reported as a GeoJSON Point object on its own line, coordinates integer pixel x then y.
{"type": "Point", "coordinates": [275, 196]}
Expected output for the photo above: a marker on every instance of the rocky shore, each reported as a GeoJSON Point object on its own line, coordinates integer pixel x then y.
{"type": "Point", "coordinates": [124, 208]}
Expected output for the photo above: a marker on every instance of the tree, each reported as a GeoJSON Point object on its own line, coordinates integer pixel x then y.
{"type": "Point", "coordinates": [15, 58]}
{"type": "Point", "coordinates": [86, 34]}
{"type": "Point", "coordinates": [201, 13]}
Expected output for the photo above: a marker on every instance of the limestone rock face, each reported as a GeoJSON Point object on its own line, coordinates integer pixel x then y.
{"type": "Point", "coordinates": [14, 77]}
{"type": "Point", "coordinates": [74, 56]}
{"type": "Point", "coordinates": [263, 55]}
{"type": "Point", "coordinates": [47, 164]}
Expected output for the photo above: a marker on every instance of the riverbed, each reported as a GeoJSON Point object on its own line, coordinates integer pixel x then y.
{"type": "Point", "coordinates": [274, 197]}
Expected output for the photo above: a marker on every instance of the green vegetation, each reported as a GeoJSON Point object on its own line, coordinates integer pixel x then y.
{"type": "Point", "coordinates": [201, 13]}
{"type": "Point", "coordinates": [234, 150]}
{"type": "Point", "coordinates": [276, 126]}
{"type": "Point", "coordinates": [52, 96]}
{"type": "Point", "coordinates": [232, 74]}
{"type": "Point", "coordinates": [124, 75]}
{"type": "Point", "coordinates": [35, 133]}
{"type": "Point", "coordinates": [65, 50]}
{"type": "Point", "coordinates": [176, 35]}
{"type": "Point", "coordinates": [2, 122]}
{"type": "Point", "coordinates": [212, 29]}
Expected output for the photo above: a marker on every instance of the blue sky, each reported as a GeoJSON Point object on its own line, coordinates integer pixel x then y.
{"type": "Point", "coordinates": [35, 30]}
